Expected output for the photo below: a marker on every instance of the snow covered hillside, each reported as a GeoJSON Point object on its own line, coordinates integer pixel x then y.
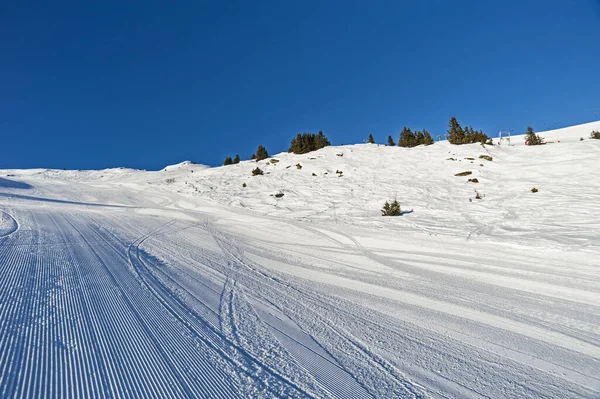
{"type": "Point", "coordinates": [200, 282]}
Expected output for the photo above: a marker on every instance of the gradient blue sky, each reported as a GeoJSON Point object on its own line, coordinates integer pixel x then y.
{"type": "Point", "coordinates": [144, 84]}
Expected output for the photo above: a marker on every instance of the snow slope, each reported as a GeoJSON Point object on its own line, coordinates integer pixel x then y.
{"type": "Point", "coordinates": [183, 283]}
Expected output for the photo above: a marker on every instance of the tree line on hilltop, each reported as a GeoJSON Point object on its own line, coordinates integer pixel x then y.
{"type": "Point", "coordinates": [307, 142]}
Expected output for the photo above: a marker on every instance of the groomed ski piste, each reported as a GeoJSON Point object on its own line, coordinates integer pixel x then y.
{"type": "Point", "coordinates": [183, 283]}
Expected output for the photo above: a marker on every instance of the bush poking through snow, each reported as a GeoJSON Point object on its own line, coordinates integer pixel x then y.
{"type": "Point", "coordinates": [464, 173]}
{"type": "Point", "coordinates": [474, 180]}
{"type": "Point", "coordinates": [391, 209]}
{"type": "Point", "coordinates": [257, 172]}
{"type": "Point", "coordinates": [391, 141]}
{"type": "Point", "coordinates": [595, 135]}
{"type": "Point", "coordinates": [298, 166]}
{"type": "Point", "coordinates": [533, 139]}
{"type": "Point", "coordinates": [534, 190]}
{"type": "Point", "coordinates": [274, 160]}
{"type": "Point", "coordinates": [486, 157]}
{"type": "Point", "coordinates": [244, 185]}
{"type": "Point", "coordinates": [170, 180]}
{"type": "Point", "coordinates": [478, 195]}
{"type": "Point", "coordinates": [278, 195]}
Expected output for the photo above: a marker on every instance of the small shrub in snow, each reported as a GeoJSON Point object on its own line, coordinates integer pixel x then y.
{"type": "Point", "coordinates": [298, 166]}
{"type": "Point", "coordinates": [314, 174]}
{"type": "Point", "coordinates": [533, 139]}
{"type": "Point", "coordinates": [278, 195]}
{"type": "Point", "coordinates": [534, 190]}
{"type": "Point", "coordinates": [391, 209]}
{"type": "Point", "coordinates": [391, 141]}
{"type": "Point", "coordinates": [244, 185]}
{"type": "Point", "coordinates": [478, 195]}
{"type": "Point", "coordinates": [257, 171]}
{"type": "Point", "coordinates": [474, 180]}
{"type": "Point", "coordinates": [463, 173]}
{"type": "Point", "coordinates": [371, 140]}
{"type": "Point", "coordinates": [274, 160]}
{"type": "Point", "coordinates": [595, 135]}
{"type": "Point", "coordinates": [170, 180]}
{"type": "Point", "coordinates": [486, 157]}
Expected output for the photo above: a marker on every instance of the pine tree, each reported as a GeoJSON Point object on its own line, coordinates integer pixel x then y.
{"type": "Point", "coordinates": [420, 138]}
{"type": "Point", "coordinates": [371, 140]}
{"type": "Point", "coordinates": [531, 138]}
{"type": "Point", "coordinates": [407, 138]}
{"type": "Point", "coordinates": [228, 161]}
{"type": "Point", "coordinates": [261, 153]}
{"type": "Point", "coordinates": [323, 141]}
{"type": "Point", "coordinates": [296, 144]}
{"type": "Point", "coordinates": [253, 156]}
{"type": "Point", "coordinates": [391, 141]}
{"type": "Point", "coordinates": [236, 159]}
{"type": "Point", "coordinates": [427, 139]}
{"type": "Point", "coordinates": [456, 134]}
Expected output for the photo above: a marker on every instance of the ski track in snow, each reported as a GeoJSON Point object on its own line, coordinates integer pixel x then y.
{"type": "Point", "coordinates": [8, 224]}
{"type": "Point", "coordinates": [115, 286]}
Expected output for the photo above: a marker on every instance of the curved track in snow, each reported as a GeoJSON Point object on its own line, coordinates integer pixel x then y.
{"type": "Point", "coordinates": [8, 224]}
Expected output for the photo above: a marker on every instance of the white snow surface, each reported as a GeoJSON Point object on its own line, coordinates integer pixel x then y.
{"type": "Point", "coordinates": [184, 283]}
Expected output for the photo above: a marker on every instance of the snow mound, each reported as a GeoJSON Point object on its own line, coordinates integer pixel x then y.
{"type": "Point", "coordinates": [186, 165]}
{"type": "Point", "coordinates": [565, 134]}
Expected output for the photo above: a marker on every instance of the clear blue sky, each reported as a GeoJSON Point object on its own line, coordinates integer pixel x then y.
{"type": "Point", "coordinates": [94, 84]}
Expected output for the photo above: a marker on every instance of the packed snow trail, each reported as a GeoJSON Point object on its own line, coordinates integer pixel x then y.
{"type": "Point", "coordinates": [87, 313]}
{"type": "Point", "coordinates": [114, 303]}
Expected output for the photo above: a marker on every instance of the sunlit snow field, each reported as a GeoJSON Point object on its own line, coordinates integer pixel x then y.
{"type": "Point", "coordinates": [184, 283]}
